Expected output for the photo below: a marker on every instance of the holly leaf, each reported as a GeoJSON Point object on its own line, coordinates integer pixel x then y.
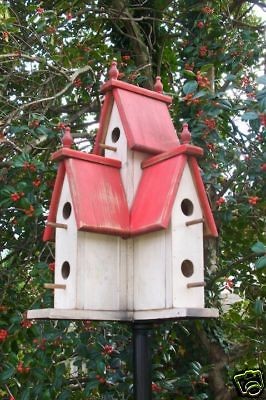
{"type": "Point", "coordinates": [190, 87]}
{"type": "Point", "coordinates": [261, 80]}
{"type": "Point", "coordinates": [260, 263]}
{"type": "Point", "coordinates": [250, 115]}
{"type": "Point", "coordinates": [259, 248]}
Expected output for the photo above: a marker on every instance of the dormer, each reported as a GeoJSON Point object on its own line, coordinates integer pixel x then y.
{"type": "Point", "coordinates": [135, 123]}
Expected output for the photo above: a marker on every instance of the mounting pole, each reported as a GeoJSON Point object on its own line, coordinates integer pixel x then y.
{"type": "Point", "coordinates": [142, 360]}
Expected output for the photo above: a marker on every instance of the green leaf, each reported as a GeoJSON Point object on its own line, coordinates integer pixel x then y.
{"type": "Point", "coordinates": [190, 87]}
{"type": "Point", "coordinates": [90, 386]}
{"type": "Point", "coordinates": [5, 375]}
{"type": "Point", "coordinates": [206, 67]}
{"type": "Point", "coordinates": [258, 306]}
{"type": "Point", "coordinates": [25, 395]}
{"type": "Point", "coordinates": [260, 263]}
{"type": "Point", "coordinates": [100, 367]}
{"type": "Point", "coordinates": [261, 79]}
{"type": "Point", "coordinates": [65, 395]}
{"type": "Point", "coordinates": [189, 73]}
{"type": "Point", "coordinates": [250, 115]}
{"type": "Point", "coordinates": [259, 248]}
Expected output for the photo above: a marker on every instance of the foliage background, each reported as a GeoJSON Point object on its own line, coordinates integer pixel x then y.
{"type": "Point", "coordinates": [54, 57]}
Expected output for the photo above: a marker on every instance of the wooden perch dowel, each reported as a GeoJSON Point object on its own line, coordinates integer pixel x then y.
{"type": "Point", "coordinates": [194, 222]}
{"type": "Point", "coordinates": [54, 286]}
{"type": "Point", "coordinates": [195, 284]}
{"type": "Point", "coordinates": [107, 147]}
{"type": "Point", "coordinates": [56, 225]}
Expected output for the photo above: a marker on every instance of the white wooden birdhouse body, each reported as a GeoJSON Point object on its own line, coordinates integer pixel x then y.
{"type": "Point", "coordinates": [129, 220]}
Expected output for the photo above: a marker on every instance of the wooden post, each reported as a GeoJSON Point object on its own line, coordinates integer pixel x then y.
{"type": "Point", "coordinates": [195, 221]}
{"type": "Point", "coordinates": [142, 360]}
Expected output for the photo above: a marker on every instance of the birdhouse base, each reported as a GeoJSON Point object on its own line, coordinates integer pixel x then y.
{"type": "Point", "coordinates": [100, 315]}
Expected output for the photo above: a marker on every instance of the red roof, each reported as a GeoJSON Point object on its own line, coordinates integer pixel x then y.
{"type": "Point", "coordinates": [99, 199]}
{"type": "Point", "coordinates": [144, 115]}
{"type": "Point", "coordinates": [158, 188]}
{"type": "Point", "coordinates": [97, 193]}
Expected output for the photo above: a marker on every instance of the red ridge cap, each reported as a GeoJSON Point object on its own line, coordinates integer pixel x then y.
{"type": "Point", "coordinates": [187, 149]}
{"type": "Point", "coordinates": [113, 83]}
{"type": "Point", "coordinates": [69, 153]}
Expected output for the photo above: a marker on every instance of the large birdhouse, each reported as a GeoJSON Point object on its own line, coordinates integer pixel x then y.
{"type": "Point", "coordinates": [130, 219]}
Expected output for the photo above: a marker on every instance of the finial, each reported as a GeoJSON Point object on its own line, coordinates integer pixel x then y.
{"type": "Point", "coordinates": [113, 71]}
{"type": "Point", "coordinates": [67, 139]}
{"type": "Point", "coordinates": [158, 86]}
{"type": "Point", "coordinates": [185, 135]}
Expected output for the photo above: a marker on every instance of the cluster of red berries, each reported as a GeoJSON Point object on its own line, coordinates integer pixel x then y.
{"type": "Point", "coordinates": [220, 201]}
{"type": "Point", "coordinates": [189, 99]}
{"type": "Point", "coordinates": [3, 335]}
{"type": "Point", "coordinates": [30, 211]}
{"type": "Point", "coordinates": [34, 123]}
{"type": "Point", "coordinates": [16, 196]}
{"type": "Point", "coordinates": [156, 388]}
{"type": "Point", "coordinates": [245, 81]}
{"type": "Point", "coordinates": [40, 343]}
{"type": "Point", "coordinates": [200, 24]}
{"type": "Point", "coordinates": [207, 10]}
{"type": "Point", "coordinates": [77, 83]}
{"type": "Point", "coordinates": [189, 67]}
{"type": "Point", "coordinates": [21, 369]}
{"type": "Point", "coordinates": [101, 379]}
{"type": "Point", "coordinates": [211, 146]}
{"type": "Point", "coordinates": [203, 81]}
{"type": "Point", "coordinates": [5, 35]}
{"type": "Point", "coordinates": [263, 167]}
{"type": "Point", "coordinates": [210, 123]}
{"type": "Point", "coordinates": [29, 166]}
{"type": "Point", "coordinates": [263, 119]}
{"type": "Point", "coordinates": [26, 323]}
{"type": "Point", "coordinates": [36, 182]}
{"type": "Point", "coordinates": [253, 200]}
{"type": "Point", "coordinates": [40, 10]}
{"type": "Point", "coordinates": [107, 349]}
{"type": "Point", "coordinates": [203, 51]}
{"type": "Point", "coordinates": [51, 266]}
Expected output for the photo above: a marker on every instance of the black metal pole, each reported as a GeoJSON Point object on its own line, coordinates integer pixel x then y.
{"type": "Point", "coordinates": [142, 360]}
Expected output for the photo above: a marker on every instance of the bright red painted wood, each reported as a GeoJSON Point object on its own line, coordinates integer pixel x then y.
{"type": "Point", "coordinates": [64, 153]}
{"type": "Point", "coordinates": [48, 234]}
{"type": "Point", "coordinates": [156, 195]}
{"type": "Point", "coordinates": [187, 149]}
{"type": "Point", "coordinates": [209, 223]}
{"type": "Point", "coordinates": [98, 197]}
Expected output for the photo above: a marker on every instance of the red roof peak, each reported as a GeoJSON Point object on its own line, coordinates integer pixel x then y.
{"type": "Point", "coordinates": [113, 71]}
{"type": "Point", "coordinates": [67, 139]}
{"type": "Point", "coordinates": [185, 135]}
{"type": "Point", "coordinates": [158, 86]}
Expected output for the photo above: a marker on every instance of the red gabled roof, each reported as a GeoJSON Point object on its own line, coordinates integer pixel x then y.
{"type": "Point", "coordinates": [144, 114]}
{"type": "Point", "coordinates": [158, 188]}
{"type": "Point", "coordinates": [97, 193]}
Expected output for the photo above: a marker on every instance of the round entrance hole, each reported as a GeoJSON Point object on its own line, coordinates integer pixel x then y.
{"type": "Point", "coordinates": [65, 270]}
{"type": "Point", "coordinates": [67, 210]}
{"type": "Point", "coordinates": [115, 135]}
{"type": "Point", "coordinates": [187, 268]}
{"type": "Point", "coordinates": [187, 207]}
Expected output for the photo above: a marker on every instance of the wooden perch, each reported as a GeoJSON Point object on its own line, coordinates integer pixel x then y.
{"type": "Point", "coordinates": [195, 221]}
{"type": "Point", "coordinates": [56, 225]}
{"type": "Point", "coordinates": [54, 286]}
{"type": "Point", "coordinates": [107, 147]}
{"type": "Point", "coordinates": [196, 284]}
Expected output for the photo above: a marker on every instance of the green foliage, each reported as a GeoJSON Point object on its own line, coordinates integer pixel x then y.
{"type": "Point", "coordinates": [53, 60]}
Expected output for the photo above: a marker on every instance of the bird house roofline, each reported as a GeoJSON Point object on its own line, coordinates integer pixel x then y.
{"type": "Point", "coordinates": [64, 153]}
{"type": "Point", "coordinates": [113, 84]}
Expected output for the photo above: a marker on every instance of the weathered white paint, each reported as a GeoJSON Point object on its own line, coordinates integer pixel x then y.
{"type": "Point", "coordinates": [149, 271]}
{"type": "Point", "coordinates": [131, 160]}
{"type": "Point", "coordinates": [187, 243]}
{"type": "Point", "coordinates": [98, 281]}
{"type": "Point", "coordinates": [171, 313]}
{"type": "Point", "coordinates": [66, 250]}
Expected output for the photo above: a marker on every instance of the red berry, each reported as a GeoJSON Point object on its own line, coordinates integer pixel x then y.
{"type": "Point", "coordinates": [51, 266]}
{"type": "Point", "coordinates": [3, 335]}
{"type": "Point", "coordinates": [200, 24]}
{"type": "Point", "coordinates": [40, 10]}
{"type": "Point", "coordinates": [36, 182]}
{"type": "Point", "coordinates": [263, 167]}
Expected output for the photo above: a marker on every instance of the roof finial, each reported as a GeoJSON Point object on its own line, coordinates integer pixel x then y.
{"type": "Point", "coordinates": [185, 135]}
{"type": "Point", "coordinates": [67, 139]}
{"type": "Point", "coordinates": [158, 86]}
{"type": "Point", "coordinates": [113, 71]}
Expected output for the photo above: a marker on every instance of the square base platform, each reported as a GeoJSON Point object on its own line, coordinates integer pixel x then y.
{"type": "Point", "coordinates": [141, 315]}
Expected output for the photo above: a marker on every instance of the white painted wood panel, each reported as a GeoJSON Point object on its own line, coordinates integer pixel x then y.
{"type": "Point", "coordinates": [149, 271]}
{"type": "Point", "coordinates": [99, 271]}
{"type": "Point", "coordinates": [187, 244]}
{"type": "Point", "coordinates": [66, 251]}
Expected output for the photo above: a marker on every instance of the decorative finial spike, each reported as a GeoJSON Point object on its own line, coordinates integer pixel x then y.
{"type": "Point", "coordinates": [158, 86]}
{"type": "Point", "coordinates": [67, 139]}
{"type": "Point", "coordinates": [185, 135]}
{"type": "Point", "coordinates": [113, 71]}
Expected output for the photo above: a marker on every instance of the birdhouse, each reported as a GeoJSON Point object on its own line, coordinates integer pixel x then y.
{"type": "Point", "coordinates": [129, 220]}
